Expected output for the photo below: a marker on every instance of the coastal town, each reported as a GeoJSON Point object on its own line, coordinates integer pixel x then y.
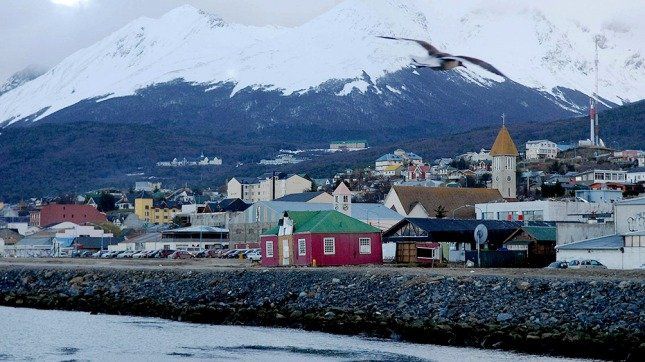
{"type": "Point", "coordinates": [543, 205]}
{"type": "Point", "coordinates": [327, 180]}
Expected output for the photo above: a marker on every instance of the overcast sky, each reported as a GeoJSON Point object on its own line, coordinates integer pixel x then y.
{"type": "Point", "coordinates": [43, 32]}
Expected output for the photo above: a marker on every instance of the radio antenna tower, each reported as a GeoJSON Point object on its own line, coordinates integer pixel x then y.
{"type": "Point", "coordinates": [593, 104]}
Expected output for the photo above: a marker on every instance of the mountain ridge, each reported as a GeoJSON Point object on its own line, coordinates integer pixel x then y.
{"type": "Point", "coordinates": [341, 44]}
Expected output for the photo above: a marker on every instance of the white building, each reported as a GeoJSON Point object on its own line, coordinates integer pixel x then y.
{"type": "Point", "coordinates": [251, 189]}
{"type": "Point", "coordinates": [348, 145]}
{"type": "Point", "coordinates": [282, 159]}
{"type": "Point", "coordinates": [541, 149]}
{"type": "Point", "coordinates": [636, 175]}
{"type": "Point", "coordinates": [545, 210]}
{"type": "Point", "coordinates": [621, 250]}
{"type": "Point", "coordinates": [602, 176]}
{"type": "Point", "coordinates": [147, 186]}
{"type": "Point", "coordinates": [398, 158]}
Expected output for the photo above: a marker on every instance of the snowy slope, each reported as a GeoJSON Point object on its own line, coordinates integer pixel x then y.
{"type": "Point", "coordinates": [534, 47]}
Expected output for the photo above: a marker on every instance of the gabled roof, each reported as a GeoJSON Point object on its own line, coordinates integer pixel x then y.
{"type": "Point", "coordinates": [541, 233]}
{"type": "Point", "coordinates": [301, 197]}
{"type": "Point", "coordinates": [326, 221]}
{"type": "Point", "coordinates": [445, 230]}
{"type": "Point", "coordinates": [504, 145]}
{"type": "Point", "coordinates": [610, 242]}
{"type": "Point", "coordinates": [449, 197]}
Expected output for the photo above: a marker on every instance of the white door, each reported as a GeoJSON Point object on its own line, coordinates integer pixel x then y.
{"type": "Point", "coordinates": [285, 252]}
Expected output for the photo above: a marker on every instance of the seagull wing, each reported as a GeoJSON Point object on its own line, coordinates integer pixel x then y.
{"type": "Point", "coordinates": [427, 46]}
{"type": "Point", "coordinates": [481, 63]}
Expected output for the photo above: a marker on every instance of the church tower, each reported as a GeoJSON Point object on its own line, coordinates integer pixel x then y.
{"type": "Point", "coordinates": [343, 199]}
{"type": "Point", "coordinates": [504, 155]}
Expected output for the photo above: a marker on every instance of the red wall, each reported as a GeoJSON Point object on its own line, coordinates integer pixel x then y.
{"type": "Point", "coordinates": [263, 247]}
{"type": "Point", "coordinates": [79, 214]}
{"type": "Point", "coordinates": [347, 250]}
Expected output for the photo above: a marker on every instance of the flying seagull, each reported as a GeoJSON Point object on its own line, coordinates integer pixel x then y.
{"type": "Point", "coordinates": [437, 60]}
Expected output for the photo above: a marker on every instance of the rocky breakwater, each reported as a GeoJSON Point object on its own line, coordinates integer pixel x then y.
{"type": "Point", "coordinates": [554, 315]}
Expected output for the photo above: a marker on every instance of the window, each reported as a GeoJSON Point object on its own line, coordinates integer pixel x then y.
{"type": "Point", "coordinates": [365, 246]}
{"type": "Point", "coordinates": [302, 247]}
{"type": "Point", "coordinates": [329, 246]}
{"type": "Point", "coordinates": [269, 249]}
{"type": "Point", "coordinates": [488, 215]}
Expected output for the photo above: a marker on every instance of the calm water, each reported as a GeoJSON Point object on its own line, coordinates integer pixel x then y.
{"type": "Point", "coordinates": [29, 334]}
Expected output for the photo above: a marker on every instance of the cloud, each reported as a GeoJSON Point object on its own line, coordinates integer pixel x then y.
{"type": "Point", "coordinates": [43, 32]}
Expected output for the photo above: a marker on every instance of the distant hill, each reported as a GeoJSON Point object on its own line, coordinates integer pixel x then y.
{"type": "Point", "coordinates": [88, 155]}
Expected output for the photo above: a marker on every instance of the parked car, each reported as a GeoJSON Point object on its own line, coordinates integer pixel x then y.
{"type": "Point", "coordinates": [225, 253]}
{"type": "Point", "coordinates": [110, 254]}
{"type": "Point", "coordinates": [99, 253]}
{"type": "Point", "coordinates": [126, 254]}
{"type": "Point", "coordinates": [180, 254]}
{"type": "Point", "coordinates": [235, 253]}
{"type": "Point", "coordinates": [254, 255]}
{"type": "Point", "coordinates": [164, 253]}
{"type": "Point", "coordinates": [558, 265]}
{"type": "Point", "coordinates": [140, 255]}
{"type": "Point", "coordinates": [585, 264]}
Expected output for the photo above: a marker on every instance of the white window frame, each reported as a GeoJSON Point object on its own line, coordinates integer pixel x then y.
{"type": "Point", "coordinates": [268, 249]}
{"type": "Point", "coordinates": [333, 246]}
{"type": "Point", "coordinates": [302, 247]}
{"type": "Point", "coordinates": [361, 246]}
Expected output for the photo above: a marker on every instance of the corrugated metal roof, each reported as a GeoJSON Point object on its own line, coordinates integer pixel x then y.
{"type": "Point", "coordinates": [327, 221]}
{"type": "Point", "coordinates": [369, 211]}
{"type": "Point", "coordinates": [609, 242]}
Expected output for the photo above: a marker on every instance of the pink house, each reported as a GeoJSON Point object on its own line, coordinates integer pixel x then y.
{"type": "Point", "coordinates": [321, 238]}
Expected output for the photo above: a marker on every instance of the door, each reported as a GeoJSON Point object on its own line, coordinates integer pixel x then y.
{"type": "Point", "coordinates": [285, 251]}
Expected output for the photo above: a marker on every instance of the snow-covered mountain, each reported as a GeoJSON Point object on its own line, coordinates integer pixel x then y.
{"type": "Point", "coordinates": [21, 77]}
{"type": "Point", "coordinates": [536, 47]}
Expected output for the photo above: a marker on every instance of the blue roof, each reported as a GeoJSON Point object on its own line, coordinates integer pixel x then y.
{"type": "Point", "coordinates": [374, 212]}
{"type": "Point", "coordinates": [389, 157]}
{"type": "Point", "coordinates": [65, 242]}
{"type": "Point", "coordinates": [413, 156]}
{"type": "Point", "coordinates": [609, 242]}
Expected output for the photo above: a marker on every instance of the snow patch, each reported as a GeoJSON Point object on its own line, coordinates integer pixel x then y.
{"type": "Point", "coordinates": [393, 90]}
{"type": "Point", "coordinates": [358, 84]}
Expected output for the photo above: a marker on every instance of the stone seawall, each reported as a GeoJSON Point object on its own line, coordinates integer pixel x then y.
{"type": "Point", "coordinates": [546, 315]}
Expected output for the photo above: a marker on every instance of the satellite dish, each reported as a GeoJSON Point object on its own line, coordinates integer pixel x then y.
{"type": "Point", "coordinates": [481, 234]}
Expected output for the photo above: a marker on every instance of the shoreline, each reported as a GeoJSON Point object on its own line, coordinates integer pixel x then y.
{"type": "Point", "coordinates": [556, 316]}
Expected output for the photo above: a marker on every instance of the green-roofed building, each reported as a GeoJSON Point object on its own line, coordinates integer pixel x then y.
{"type": "Point", "coordinates": [320, 238]}
{"type": "Point", "coordinates": [537, 241]}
